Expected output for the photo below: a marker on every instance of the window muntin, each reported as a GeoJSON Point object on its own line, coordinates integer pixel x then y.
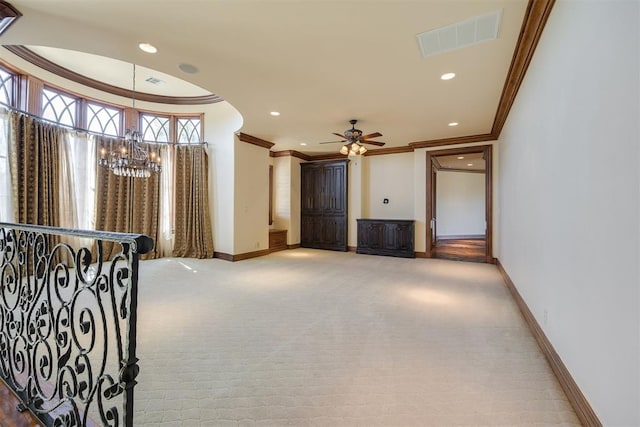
{"type": "Point", "coordinates": [188, 130]}
{"type": "Point", "coordinates": [155, 128]}
{"type": "Point", "coordinates": [6, 87]}
{"type": "Point", "coordinates": [103, 119]}
{"type": "Point", "coordinates": [59, 107]}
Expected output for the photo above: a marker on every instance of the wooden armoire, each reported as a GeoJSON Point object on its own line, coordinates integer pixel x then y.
{"type": "Point", "coordinates": [323, 202]}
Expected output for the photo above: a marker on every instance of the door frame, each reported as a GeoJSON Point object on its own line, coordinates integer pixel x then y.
{"type": "Point", "coordinates": [487, 151]}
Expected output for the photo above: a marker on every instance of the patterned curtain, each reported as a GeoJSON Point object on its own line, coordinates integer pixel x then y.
{"type": "Point", "coordinates": [193, 236]}
{"type": "Point", "coordinates": [125, 204]}
{"type": "Point", "coordinates": [34, 160]}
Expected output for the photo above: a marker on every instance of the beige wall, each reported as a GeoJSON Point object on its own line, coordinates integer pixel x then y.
{"type": "Point", "coordinates": [286, 197]}
{"type": "Point", "coordinates": [389, 177]}
{"type": "Point", "coordinates": [355, 193]}
{"type": "Point", "coordinates": [251, 198]}
{"type": "Point", "coordinates": [570, 194]}
{"type": "Point", "coordinates": [293, 235]}
{"type": "Point", "coordinates": [460, 203]}
{"type": "Point", "coordinates": [221, 171]}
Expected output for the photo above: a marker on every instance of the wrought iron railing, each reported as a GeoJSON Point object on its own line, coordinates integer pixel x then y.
{"type": "Point", "coordinates": [68, 322]}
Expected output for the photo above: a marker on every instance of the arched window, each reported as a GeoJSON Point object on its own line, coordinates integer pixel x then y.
{"type": "Point", "coordinates": [6, 87]}
{"type": "Point", "coordinates": [59, 107]}
{"type": "Point", "coordinates": [188, 130]}
{"type": "Point", "coordinates": [103, 119]}
{"type": "Point", "coordinates": [155, 128]}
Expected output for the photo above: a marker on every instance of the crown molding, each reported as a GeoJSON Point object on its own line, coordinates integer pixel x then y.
{"type": "Point", "coordinates": [8, 15]}
{"type": "Point", "coordinates": [389, 150]}
{"type": "Point", "coordinates": [329, 156]}
{"type": "Point", "coordinates": [453, 141]}
{"type": "Point", "coordinates": [41, 62]}
{"type": "Point", "coordinates": [292, 153]}
{"type": "Point", "coordinates": [535, 19]}
{"type": "Point", "coordinates": [250, 139]}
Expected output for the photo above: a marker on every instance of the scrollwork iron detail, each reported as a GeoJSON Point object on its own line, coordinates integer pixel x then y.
{"type": "Point", "coordinates": [68, 323]}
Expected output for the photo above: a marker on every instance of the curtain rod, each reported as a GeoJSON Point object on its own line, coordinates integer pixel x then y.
{"type": "Point", "coordinates": [88, 132]}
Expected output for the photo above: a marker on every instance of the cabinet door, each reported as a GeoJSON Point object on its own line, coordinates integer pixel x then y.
{"type": "Point", "coordinates": [398, 237]}
{"type": "Point", "coordinates": [311, 189]}
{"type": "Point", "coordinates": [311, 231]}
{"type": "Point", "coordinates": [334, 233]}
{"type": "Point", "coordinates": [335, 189]}
{"type": "Point", "coordinates": [364, 235]}
{"type": "Point", "coordinates": [404, 237]}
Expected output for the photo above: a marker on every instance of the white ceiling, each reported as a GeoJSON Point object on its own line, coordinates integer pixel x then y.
{"type": "Point", "coordinates": [319, 63]}
{"type": "Point", "coordinates": [118, 73]}
{"type": "Point", "coordinates": [469, 161]}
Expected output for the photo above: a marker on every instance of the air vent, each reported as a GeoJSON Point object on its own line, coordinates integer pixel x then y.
{"type": "Point", "coordinates": [153, 80]}
{"type": "Point", "coordinates": [461, 34]}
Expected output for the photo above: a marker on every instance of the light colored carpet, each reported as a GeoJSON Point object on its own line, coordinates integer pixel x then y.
{"type": "Point", "coordinates": [310, 337]}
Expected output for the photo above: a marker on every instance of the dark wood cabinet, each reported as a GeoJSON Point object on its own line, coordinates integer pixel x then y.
{"type": "Point", "coordinates": [323, 192]}
{"type": "Point", "coordinates": [277, 240]}
{"type": "Point", "coordinates": [392, 237]}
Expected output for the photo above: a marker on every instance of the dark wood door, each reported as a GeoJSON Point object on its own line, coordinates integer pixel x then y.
{"type": "Point", "coordinates": [324, 205]}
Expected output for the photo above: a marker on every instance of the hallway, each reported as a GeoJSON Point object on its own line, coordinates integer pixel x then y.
{"type": "Point", "coordinates": [469, 250]}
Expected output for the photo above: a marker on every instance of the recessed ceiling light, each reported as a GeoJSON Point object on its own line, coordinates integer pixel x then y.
{"type": "Point", "coordinates": [303, 143]}
{"type": "Point", "coordinates": [453, 124]}
{"type": "Point", "coordinates": [147, 47]}
{"type": "Point", "coordinates": [447, 76]}
{"type": "Point", "coordinates": [469, 164]}
{"type": "Point", "coordinates": [460, 157]}
{"type": "Point", "coordinates": [274, 113]}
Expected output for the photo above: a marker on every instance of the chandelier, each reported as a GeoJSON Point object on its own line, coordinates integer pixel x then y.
{"type": "Point", "coordinates": [132, 159]}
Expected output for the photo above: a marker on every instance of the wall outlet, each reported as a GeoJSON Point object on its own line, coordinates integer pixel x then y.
{"type": "Point", "coordinates": [257, 244]}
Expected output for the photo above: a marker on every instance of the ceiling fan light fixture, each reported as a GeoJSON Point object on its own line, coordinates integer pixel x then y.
{"type": "Point", "coordinates": [363, 149]}
{"type": "Point", "coordinates": [344, 150]}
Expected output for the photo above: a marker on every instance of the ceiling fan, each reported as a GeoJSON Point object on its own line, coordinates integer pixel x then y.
{"type": "Point", "coordinates": [355, 139]}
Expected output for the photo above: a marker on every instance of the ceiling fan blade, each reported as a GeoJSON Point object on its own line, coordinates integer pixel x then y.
{"type": "Point", "coordinates": [338, 135]}
{"type": "Point", "coordinates": [331, 142]}
{"type": "Point", "coordinates": [371, 135]}
{"type": "Point", "coordinates": [378, 143]}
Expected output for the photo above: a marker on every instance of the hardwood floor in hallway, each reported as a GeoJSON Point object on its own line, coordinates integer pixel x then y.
{"type": "Point", "coordinates": [471, 250]}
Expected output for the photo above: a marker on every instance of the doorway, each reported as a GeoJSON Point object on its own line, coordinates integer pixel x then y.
{"type": "Point", "coordinates": [459, 204]}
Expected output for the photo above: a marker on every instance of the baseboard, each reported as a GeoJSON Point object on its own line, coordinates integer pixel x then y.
{"type": "Point", "coordinates": [351, 248]}
{"type": "Point", "coordinates": [421, 255]}
{"type": "Point", "coordinates": [578, 401]}
{"type": "Point", "coordinates": [462, 236]}
{"type": "Point", "coordinates": [296, 246]}
{"type": "Point", "coordinates": [240, 257]}
{"type": "Point", "coordinates": [222, 255]}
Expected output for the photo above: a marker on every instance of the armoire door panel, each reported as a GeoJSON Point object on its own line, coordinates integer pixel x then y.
{"type": "Point", "coordinates": [324, 205]}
